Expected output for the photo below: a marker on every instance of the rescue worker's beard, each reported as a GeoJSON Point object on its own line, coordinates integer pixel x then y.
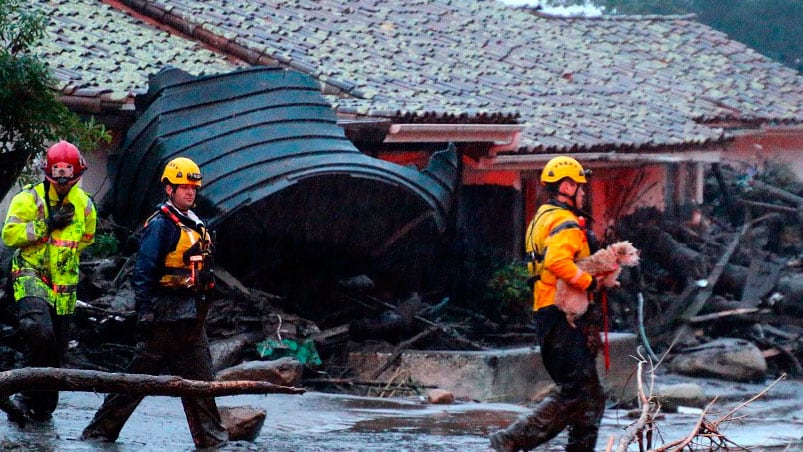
{"type": "Point", "coordinates": [172, 198]}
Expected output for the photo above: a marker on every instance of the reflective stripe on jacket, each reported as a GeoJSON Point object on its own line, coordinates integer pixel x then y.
{"type": "Point", "coordinates": [557, 239]}
{"type": "Point", "coordinates": [47, 265]}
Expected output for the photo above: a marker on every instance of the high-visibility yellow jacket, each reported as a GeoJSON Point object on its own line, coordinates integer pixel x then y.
{"type": "Point", "coordinates": [46, 265]}
{"type": "Point", "coordinates": [555, 239]}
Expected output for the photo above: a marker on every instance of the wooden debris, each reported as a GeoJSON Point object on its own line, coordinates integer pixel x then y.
{"type": "Point", "coordinates": [48, 378]}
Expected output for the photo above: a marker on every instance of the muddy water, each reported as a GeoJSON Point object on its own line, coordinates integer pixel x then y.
{"type": "Point", "coordinates": [327, 422]}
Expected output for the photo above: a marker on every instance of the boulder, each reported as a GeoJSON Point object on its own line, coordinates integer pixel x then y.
{"type": "Point", "coordinates": [230, 351]}
{"type": "Point", "coordinates": [283, 371]}
{"type": "Point", "coordinates": [725, 358]}
{"type": "Point", "coordinates": [242, 422]}
{"type": "Point", "coordinates": [683, 394]}
{"type": "Point", "coordinates": [440, 397]}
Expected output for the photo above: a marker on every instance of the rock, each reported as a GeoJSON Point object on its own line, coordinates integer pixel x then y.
{"type": "Point", "coordinates": [791, 287]}
{"type": "Point", "coordinates": [227, 352]}
{"type": "Point", "coordinates": [357, 283]}
{"type": "Point", "coordinates": [284, 371]}
{"type": "Point", "coordinates": [682, 394]}
{"type": "Point", "coordinates": [725, 358]}
{"type": "Point", "coordinates": [440, 397]}
{"type": "Point", "coordinates": [121, 301]}
{"type": "Point", "coordinates": [243, 422]}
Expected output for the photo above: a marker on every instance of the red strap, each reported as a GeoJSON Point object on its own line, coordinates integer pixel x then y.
{"type": "Point", "coordinates": [606, 345]}
{"type": "Point", "coordinates": [166, 210]}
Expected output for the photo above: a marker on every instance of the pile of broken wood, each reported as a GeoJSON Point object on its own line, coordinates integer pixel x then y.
{"type": "Point", "coordinates": [705, 277]}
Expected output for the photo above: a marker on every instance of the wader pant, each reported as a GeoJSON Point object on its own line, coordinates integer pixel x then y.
{"type": "Point", "coordinates": [180, 347]}
{"type": "Point", "coordinates": [569, 356]}
{"type": "Point", "coordinates": [44, 337]}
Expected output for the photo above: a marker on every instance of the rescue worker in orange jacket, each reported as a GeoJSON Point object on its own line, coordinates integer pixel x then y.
{"type": "Point", "coordinates": [171, 275]}
{"type": "Point", "coordinates": [49, 224]}
{"type": "Point", "coordinates": [555, 239]}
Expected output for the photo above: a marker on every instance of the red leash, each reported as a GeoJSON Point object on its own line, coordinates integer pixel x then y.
{"type": "Point", "coordinates": [606, 345]}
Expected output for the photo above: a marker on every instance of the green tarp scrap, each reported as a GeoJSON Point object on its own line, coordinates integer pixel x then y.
{"type": "Point", "coordinates": [304, 352]}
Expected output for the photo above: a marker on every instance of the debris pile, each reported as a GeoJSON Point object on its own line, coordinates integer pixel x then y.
{"type": "Point", "coordinates": [720, 279]}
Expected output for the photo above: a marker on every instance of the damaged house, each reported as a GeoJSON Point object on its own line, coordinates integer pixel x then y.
{"type": "Point", "coordinates": [418, 128]}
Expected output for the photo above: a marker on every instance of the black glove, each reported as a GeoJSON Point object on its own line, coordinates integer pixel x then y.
{"type": "Point", "coordinates": [206, 278]}
{"type": "Point", "coordinates": [60, 217]}
{"type": "Point", "coordinates": [144, 325]}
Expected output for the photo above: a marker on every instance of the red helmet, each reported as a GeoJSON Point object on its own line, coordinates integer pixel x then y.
{"type": "Point", "coordinates": [64, 163]}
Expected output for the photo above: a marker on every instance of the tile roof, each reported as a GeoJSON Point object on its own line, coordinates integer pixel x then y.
{"type": "Point", "coordinates": [95, 50]}
{"type": "Point", "coordinates": [578, 83]}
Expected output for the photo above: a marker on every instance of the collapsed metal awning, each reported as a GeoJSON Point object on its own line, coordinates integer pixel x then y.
{"type": "Point", "coordinates": [282, 184]}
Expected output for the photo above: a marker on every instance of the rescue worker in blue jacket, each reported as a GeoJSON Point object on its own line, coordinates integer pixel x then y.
{"type": "Point", "coordinates": [171, 275]}
{"type": "Point", "coordinates": [556, 238]}
{"type": "Point", "coordinates": [48, 224]}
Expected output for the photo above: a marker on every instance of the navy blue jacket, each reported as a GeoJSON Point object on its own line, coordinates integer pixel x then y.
{"type": "Point", "coordinates": [159, 238]}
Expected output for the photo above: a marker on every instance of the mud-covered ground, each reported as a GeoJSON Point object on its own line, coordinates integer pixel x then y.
{"type": "Point", "coordinates": [330, 422]}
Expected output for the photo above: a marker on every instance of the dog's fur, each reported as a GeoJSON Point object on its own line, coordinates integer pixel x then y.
{"type": "Point", "coordinates": [605, 265]}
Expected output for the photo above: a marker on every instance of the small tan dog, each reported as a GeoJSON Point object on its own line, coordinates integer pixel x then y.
{"type": "Point", "coordinates": [605, 265]}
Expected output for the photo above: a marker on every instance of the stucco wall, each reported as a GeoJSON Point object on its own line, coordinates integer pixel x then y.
{"type": "Point", "coordinates": [753, 149]}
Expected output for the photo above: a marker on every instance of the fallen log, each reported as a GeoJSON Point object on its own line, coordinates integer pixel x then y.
{"type": "Point", "coordinates": [721, 314]}
{"type": "Point", "coordinates": [667, 252]}
{"type": "Point", "coordinates": [776, 193]}
{"type": "Point", "coordinates": [783, 195]}
{"type": "Point", "coordinates": [701, 297]}
{"type": "Point", "coordinates": [768, 207]}
{"type": "Point", "coordinates": [48, 378]}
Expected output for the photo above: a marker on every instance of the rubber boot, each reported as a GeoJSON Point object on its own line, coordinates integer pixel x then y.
{"type": "Point", "coordinates": [583, 432]}
{"type": "Point", "coordinates": [501, 441]}
{"type": "Point", "coordinates": [531, 430]}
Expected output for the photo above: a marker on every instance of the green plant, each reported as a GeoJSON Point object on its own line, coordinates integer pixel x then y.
{"type": "Point", "coordinates": [106, 245]}
{"type": "Point", "coordinates": [30, 111]}
{"type": "Point", "coordinates": [508, 295]}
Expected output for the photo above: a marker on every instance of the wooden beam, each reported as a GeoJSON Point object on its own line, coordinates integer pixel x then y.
{"type": "Point", "coordinates": [598, 159]}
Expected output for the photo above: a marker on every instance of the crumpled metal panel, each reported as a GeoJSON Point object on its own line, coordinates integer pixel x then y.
{"type": "Point", "coordinates": [279, 173]}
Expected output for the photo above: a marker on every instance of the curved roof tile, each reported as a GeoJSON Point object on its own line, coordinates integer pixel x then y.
{"type": "Point", "coordinates": [649, 81]}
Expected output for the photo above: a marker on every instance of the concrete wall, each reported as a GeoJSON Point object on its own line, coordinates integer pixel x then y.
{"type": "Point", "coordinates": [503, 375]}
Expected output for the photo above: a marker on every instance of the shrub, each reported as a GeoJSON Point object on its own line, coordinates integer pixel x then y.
{"type": "Point", "coordinates": [508, 296]}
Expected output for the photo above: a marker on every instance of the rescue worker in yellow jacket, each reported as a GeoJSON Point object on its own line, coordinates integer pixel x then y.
{"type": "Point", "coordinates": [555, 239]}
{"type": "Point", "coordinates": [171, 275]}
{"type": "Point", "coordinates": [49, 224]}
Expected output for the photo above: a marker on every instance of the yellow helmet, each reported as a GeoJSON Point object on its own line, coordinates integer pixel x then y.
{"type": "Point", "coordinates": [182, 171]}
{"type": "Point", "coordinates": [559, 167]}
